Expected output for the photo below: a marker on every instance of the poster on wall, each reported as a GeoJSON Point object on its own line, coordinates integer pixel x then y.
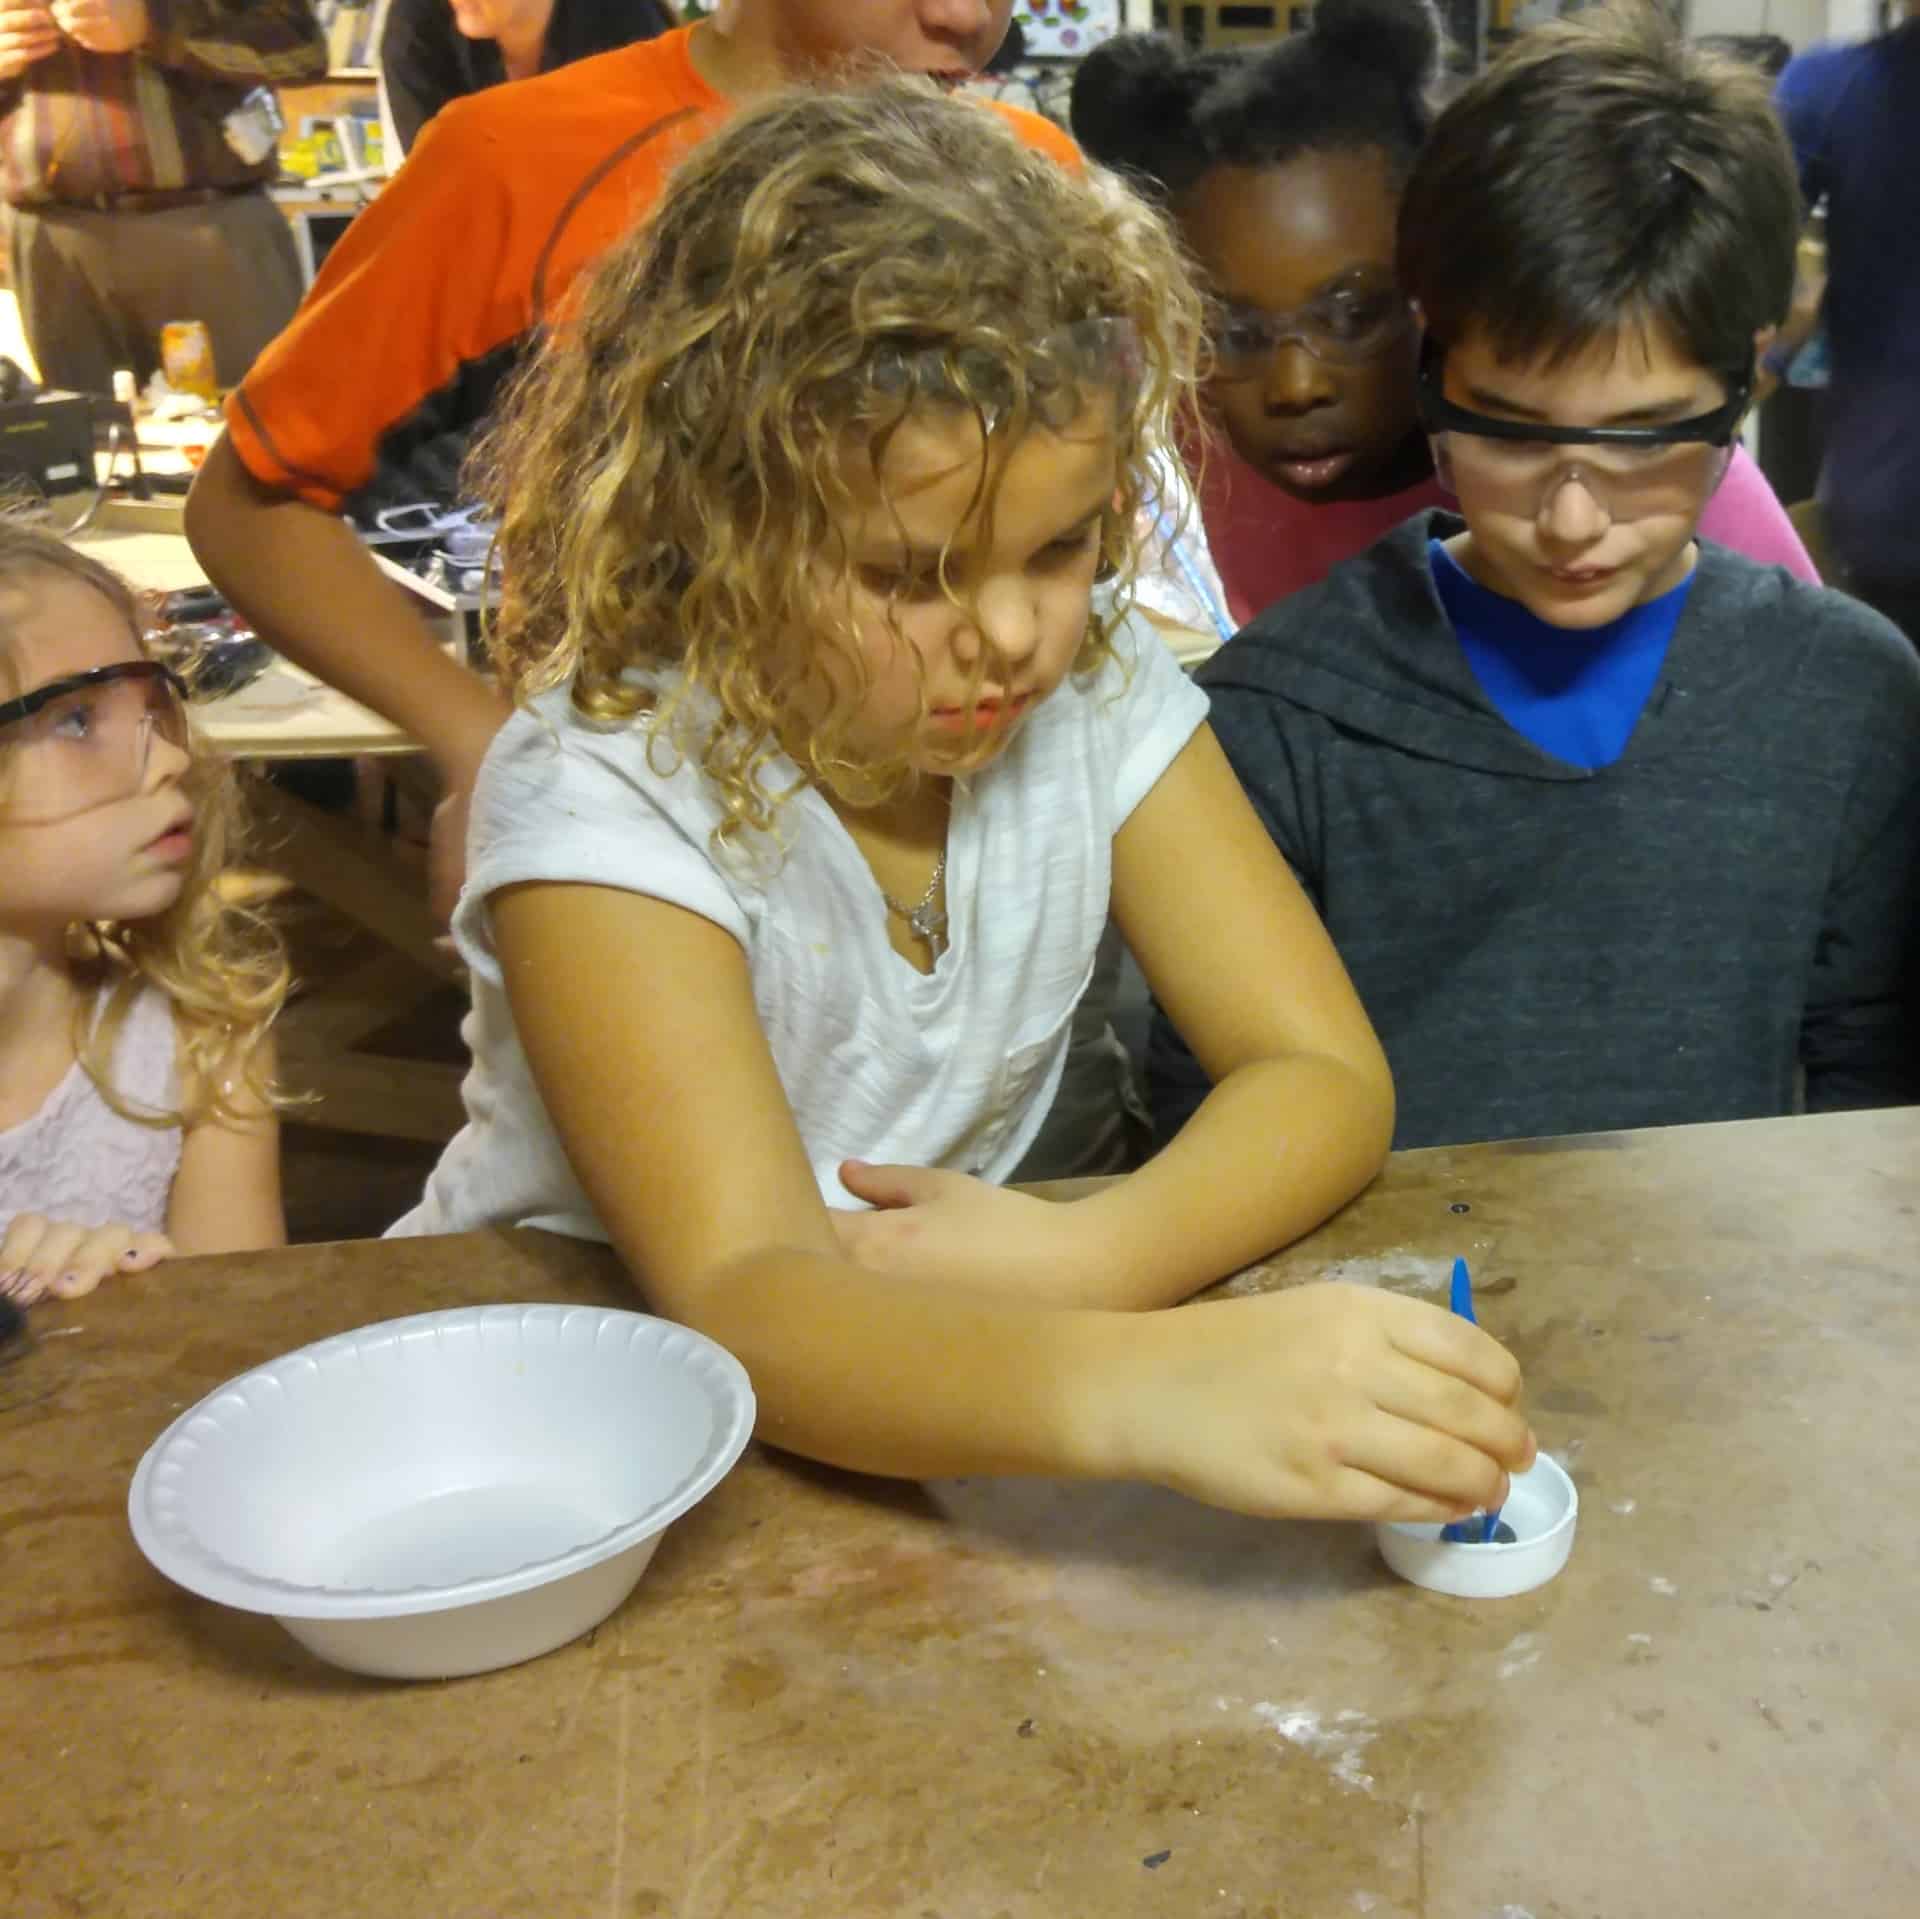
{"type": "Point", "coordinates": [1065, 29]}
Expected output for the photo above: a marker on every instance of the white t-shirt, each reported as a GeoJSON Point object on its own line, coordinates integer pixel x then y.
{"type": "Point", "coordinates": [954, 1068]}
{"type": "Point", "coordinates": [1177, 577]}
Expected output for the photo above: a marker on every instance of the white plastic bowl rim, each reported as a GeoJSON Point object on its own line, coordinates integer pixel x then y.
{"type": "Point", "coordinates": [163, 1534]}
{"type": "Point", "coordinates": [1496, 1570]}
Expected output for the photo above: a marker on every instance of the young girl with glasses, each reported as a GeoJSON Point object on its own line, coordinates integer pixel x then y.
{"type": "Point", "coordinates": [788, 873]}
{"type": "Point", "coordinates": [136, 1106]}
{"type": "Point", "coordinates": [1284, 169]}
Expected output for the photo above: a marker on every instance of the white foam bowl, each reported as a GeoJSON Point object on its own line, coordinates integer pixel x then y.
{"type": "Point", "coordinates": [1542, 1508]}
{"type": "Point", "coordinates": [448, 1493]}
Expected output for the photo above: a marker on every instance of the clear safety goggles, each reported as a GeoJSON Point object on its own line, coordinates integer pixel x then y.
{"type": "Point", "coordinates": [1347, 325]}
{"type": "Point", "coordinates": [85, 741]}
{"type": "Point", "coordinates": [1636, 472]}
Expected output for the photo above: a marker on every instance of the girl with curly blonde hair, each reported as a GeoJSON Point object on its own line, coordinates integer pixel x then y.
{"type": "Point", "coordinates": [136, 1102]}
{"type": "Point", "coordinates": [836, 741]}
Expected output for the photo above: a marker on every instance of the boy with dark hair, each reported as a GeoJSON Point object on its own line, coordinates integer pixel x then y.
{"type": "Point", "coordinates": [1612, 827]}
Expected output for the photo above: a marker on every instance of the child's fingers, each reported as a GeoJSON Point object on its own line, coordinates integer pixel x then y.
{"type": "Point", "coordinates": [41, 1256]}
{"type": "Point", "coordinates": [98, 1253]}
{"type": "Point", "coordinates": [147, 1251]}
{"type": "Point", "coordinates": [1443, 1403]}
{"type": "Point", "coordinates": [1365, 1497]}
{"type": "Point", "coordinates": [1318, 1402]}
{"type": "Point", "coordinates": [1450, 1344]}
{"type": "Point", "coordinates": [1375, 1469]}
{"type": "Point", "coordinates": [52, 1251]}
{"type": "Point", "coordinates": [1425, 1465]}
{"type": "Point", "coordinates": [110, 1250]}
{"type": "Point", "coordinates": [891, 1186]}
{"type": "Point", "coordinates": [24, 1232]}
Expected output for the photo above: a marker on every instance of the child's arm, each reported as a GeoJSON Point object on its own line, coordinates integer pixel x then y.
{"type": "Point", "coordinates": [1274, 770]}
{"type": "Point", "coordinates": [300, 574]}
{"type": "Point", "coordinates": [1329, 1401]}
{"type": "Point", "coordinates": [1297, 1120]}
{"type": "Point", "coordinates": [226, 1194]}
{"type": "Point", "coordinates": [1301, 1111]}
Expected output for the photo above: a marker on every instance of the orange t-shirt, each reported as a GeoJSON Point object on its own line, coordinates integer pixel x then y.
{"type": "Point", "coordinates": [427, 300]}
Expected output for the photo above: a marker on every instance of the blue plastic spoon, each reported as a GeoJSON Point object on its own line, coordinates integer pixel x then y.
{"type": "Point", "coordinates": [1479, 1530]}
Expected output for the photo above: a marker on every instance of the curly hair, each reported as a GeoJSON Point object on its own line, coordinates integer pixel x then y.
{"type": "Point", "coordinates": [671, 474]}
{"type": "Point", "coordinates": [221, 964]}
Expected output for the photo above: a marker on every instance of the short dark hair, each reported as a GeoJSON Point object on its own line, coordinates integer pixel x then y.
{"type": "Point", "coordinates": [1602, 174]}
{"type": "Point", "coordinates": [1361, 78]}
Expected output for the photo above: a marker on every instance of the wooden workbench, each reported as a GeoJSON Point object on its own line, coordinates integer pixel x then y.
{"type": "Point", "coordinates": [286, 714]}
{"type": "Point", "coordinates": [838, 1697]}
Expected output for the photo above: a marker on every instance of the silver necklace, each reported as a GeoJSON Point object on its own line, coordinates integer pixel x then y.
{"type": "Point", "coordinates": [926, 921]}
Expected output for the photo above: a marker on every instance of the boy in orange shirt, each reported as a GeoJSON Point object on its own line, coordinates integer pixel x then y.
{"type": "Point", "coordinates": [428, 302]}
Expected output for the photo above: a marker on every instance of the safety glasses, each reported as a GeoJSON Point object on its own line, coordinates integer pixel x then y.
{"type": "Point", "coordinates": [1347, 325]}
{"type": "Point", "coordinates": [1517, 465]}
{"type": "Point", "coordinates": [84, 741]}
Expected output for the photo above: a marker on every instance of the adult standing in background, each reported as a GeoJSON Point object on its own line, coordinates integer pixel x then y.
{"type": "Point", "coordinates": [432, 296]}
{"type": "Point", "coordinates": [433, 51]}
{"type": "Point", "coordinates": [1853, 114]}
{"type": "Point", "coordinates": [135, 176]}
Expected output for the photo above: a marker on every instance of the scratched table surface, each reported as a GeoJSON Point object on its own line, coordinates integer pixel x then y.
{"type": "Point", "coordinates": [989, 1700]}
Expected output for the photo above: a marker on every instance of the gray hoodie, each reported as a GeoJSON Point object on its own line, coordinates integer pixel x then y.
{"type": "Point", "coordinates": [1547, 949]}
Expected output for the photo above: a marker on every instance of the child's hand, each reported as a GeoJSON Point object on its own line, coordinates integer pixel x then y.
{"type": "Point", "coordinates": [27, 34]}
{"type": "Point", "coordinates": [1327, 1402]}
{"type": "Point", "coordinates": [105, 26]}
{"type": "Point", "coordinates": [40, 1255]}
{"type": "Point", "coordinates": [952, 1229]}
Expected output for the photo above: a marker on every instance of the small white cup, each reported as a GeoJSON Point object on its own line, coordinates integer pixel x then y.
{"type": "Point", "coordinates": [1542, 1508]}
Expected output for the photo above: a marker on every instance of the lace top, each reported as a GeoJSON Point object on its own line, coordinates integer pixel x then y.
{"type": "Point", "coordinates": [76, 1159]}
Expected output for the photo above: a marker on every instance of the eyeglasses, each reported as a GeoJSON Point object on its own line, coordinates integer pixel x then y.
{"type": "Point", "coordinates": [84, 741]}
{"type": "Point", "coordinates": [1346, 326]}
{"type": "Point", "coordinates": [1636, 471]}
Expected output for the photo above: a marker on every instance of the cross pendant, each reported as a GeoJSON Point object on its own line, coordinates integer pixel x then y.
{"type": "Point", "coordinates": [928, 923]}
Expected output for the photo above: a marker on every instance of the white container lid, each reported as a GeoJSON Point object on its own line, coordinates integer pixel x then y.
{"type": "Point", "coordinates": [1542, 1507]}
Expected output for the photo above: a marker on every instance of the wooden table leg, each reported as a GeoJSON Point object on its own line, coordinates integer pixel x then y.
{"type": "Point", "coordinates": [350, 868]}
{"type": "Point", "coordinates": [369, 1093]}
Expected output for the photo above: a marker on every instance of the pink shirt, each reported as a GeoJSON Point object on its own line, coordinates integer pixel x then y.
{"type": "Point", "coordinates": [78, 1160]}
{"type": "Point", "coordinates": [1266, 544]}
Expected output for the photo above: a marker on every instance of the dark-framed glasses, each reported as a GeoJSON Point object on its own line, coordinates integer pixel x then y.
{"type": "Point", "coordinates": [1347, 325]}
{"type": "Point", "coordinates": [84, 741]}
{"type": "Point", "coordinates": [1637, 470]}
